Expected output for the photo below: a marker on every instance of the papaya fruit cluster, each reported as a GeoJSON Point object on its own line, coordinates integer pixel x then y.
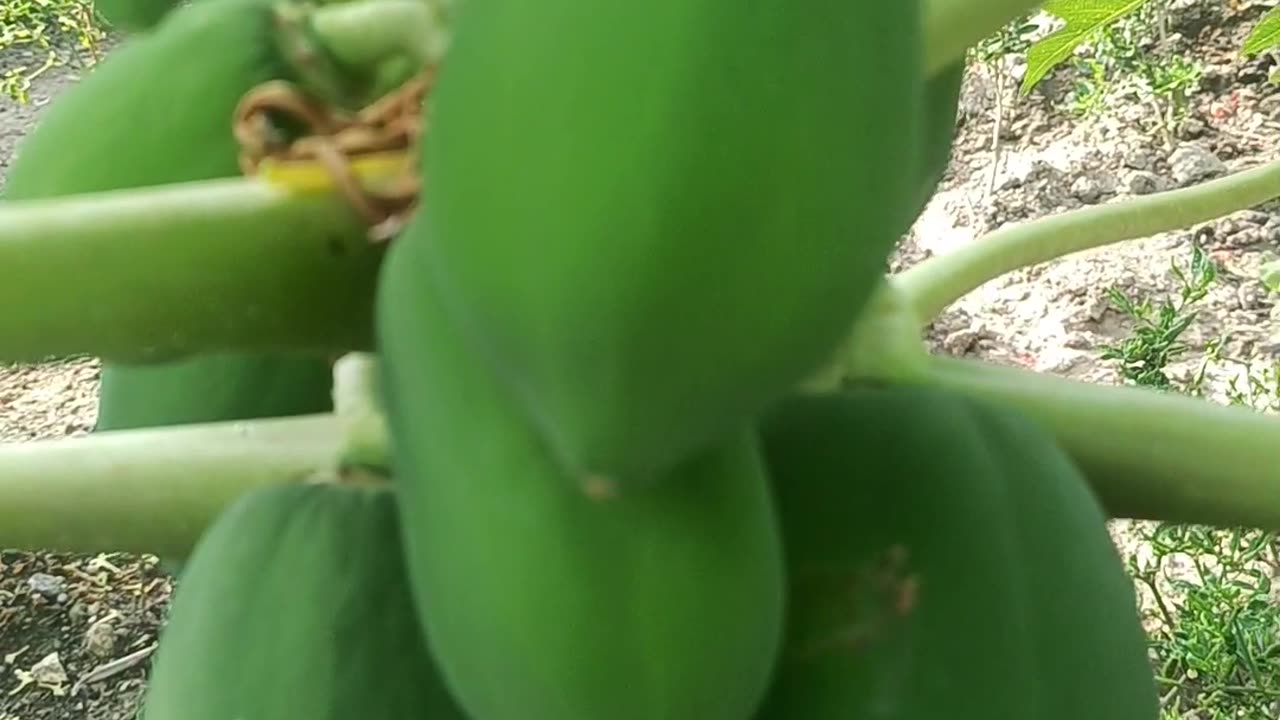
{"type": "Point", "coordinates": [644, 225]}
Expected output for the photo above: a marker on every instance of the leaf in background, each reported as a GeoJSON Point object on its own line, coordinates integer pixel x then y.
{"type": "Point", "coordinates": [1265, 35]}
{"type": "Point", "coordinates": [1269, 274]}
{"type": "Point", "coordinates": [1082, 18]}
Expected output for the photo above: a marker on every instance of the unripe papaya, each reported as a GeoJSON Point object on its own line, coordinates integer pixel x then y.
{"type": "Point", "coordinates": [946, 560]}
{"type": "Point", "coordinates": [157, 110]}
{"type": "Point", "coordinates": [295, 606]}
{"type": "Point", "coordinates": [941, 101]}
{"type": "Point", "coordinates": [133, 15]}
{"type": "Point", "coordinates": [540, 601]}
{"type": "Point", "coordinates": [214, 388]}
{"type": "Point", "coordinates": [655, 218]}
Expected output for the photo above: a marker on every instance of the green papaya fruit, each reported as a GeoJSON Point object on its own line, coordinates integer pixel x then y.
{"type": "Point", "coordinates": [544, 602]}
{"type": "Point", "coordinates": [941, 102]}
{"type": "Point", "coordinates": [214, 388]}
{"type": "Point", "coordinates": [945, 560]}
{"type": "Point", "coordinates": [133, 15]}
{"type": "Point", "coordinates": [655, 218]}
{"type": "Point", "coordinates": [296, 605]}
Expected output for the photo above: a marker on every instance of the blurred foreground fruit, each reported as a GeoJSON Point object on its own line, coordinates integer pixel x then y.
{"type": "Point", "coordinates": [545, 601]}
{"type": "Point", "coordinates": [655, 218]}
{"type": "Point", "coordinates": [946, 560]}
{"type": "Point", "coordinates": [295, 605]}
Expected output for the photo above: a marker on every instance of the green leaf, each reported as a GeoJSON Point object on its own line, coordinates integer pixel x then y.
{"type": "Point", "coordinates": [1270, 275]}
{"type": "Point", "coordinates": [1265, 35]}
{"type": "Point", "coordinates": [1082, 17]}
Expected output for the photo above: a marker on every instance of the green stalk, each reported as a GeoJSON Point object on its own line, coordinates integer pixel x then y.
{"type": "Point", "coordinates": [357, 403]}
{"type": "Point", "coordinates": [951, 27]}
{"type": "Point", "coordinates": [154, 490]}
{"type": "Point", "coordinates": [154, 274]}
{"type": "Point", "coordinates": [939, 281]}
{"type": "Point", "coordinates": [1148, 454]}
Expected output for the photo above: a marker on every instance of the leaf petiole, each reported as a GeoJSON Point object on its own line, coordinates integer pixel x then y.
{"type": "Point", "coordinates": [1148, 454]}
{"type": "Point", "coordinates": [937, 282]}
{"type": "Point", "coordinates": [158, 273]}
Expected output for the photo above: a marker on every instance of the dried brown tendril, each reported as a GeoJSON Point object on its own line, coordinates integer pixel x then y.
{"type": "Point", "coordinates": [334, 139]}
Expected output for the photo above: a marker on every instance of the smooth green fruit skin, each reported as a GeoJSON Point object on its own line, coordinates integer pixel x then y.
{"type": "Point", "coordinates": [541, 603]}
{"type": "Point", "coordinates": [295, 606]}
{"type": "Point", "coordinates": [1013, 603]}
{"type": "Point", "coordinates": [941, 102]}
{"type": "Point", "coordinates": [133, 15]}
{"type": "Point", "coordinates": [216, 388]}
{"type": "Point", "coordinates": [655, 218]}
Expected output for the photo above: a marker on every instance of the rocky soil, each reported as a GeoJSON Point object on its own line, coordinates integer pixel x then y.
{"type": "Point", "coordinates": [75, 631]}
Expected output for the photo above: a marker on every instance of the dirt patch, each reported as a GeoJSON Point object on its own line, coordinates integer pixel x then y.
{"type": "Point", "coordinates": [77, 633]}
{"type": "Point", "coordinates": [17, 119]}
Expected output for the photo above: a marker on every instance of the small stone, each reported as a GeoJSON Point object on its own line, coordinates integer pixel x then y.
{"type": "Point", "coordinates": [1270, 106]}
{"type": "Point", "coordinates": [1255, 217]}
{"type": "Point", "coordinates": [1251, 73]}
{"type": "Point", "coordinates": [49, 671]}
{"type": "Point", "coordinates": [1191, 129]}
{"type": "Point", "coordinates": [48, 585]}
{"type": "Point", "coordinates": [1140, 158]}
{"type": "Point", "coordinates": [77, 611]}
{"type": "Point", "coordinates": [1143, 183]}
{"type": "Point", "coordinates": [1086, 188]}
{"type": "Point", "coordinates": [1192, 163]}
{"type": "Point", "coordinates": [1250, 296]}
{"type": "Point", "coordinates": [100, 638]}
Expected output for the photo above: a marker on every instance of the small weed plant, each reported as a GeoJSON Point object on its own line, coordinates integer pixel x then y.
{"type": "Point", "coordinates": [42, 35]}
{"type": "Point", "coordinates": [1134, 57]}
{"type": "Point", "coordinates": [1216, 633]}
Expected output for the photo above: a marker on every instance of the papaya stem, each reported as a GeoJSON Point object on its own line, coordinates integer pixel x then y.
{"type": "Point", "coordinates": [939, 281]}
{"type": "Point", "coordinates": [151, 490]}
{"type": "Point", "coordinates": [357, 403]}
{"type": "Point", "coordinates": [885, 344]}
{"type": "Point", "coordinates": [1148, 454]}
{"type": "Point", "coordinates": [951, 27]}
{"type": "Point", "coordinates": [158, 273]}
